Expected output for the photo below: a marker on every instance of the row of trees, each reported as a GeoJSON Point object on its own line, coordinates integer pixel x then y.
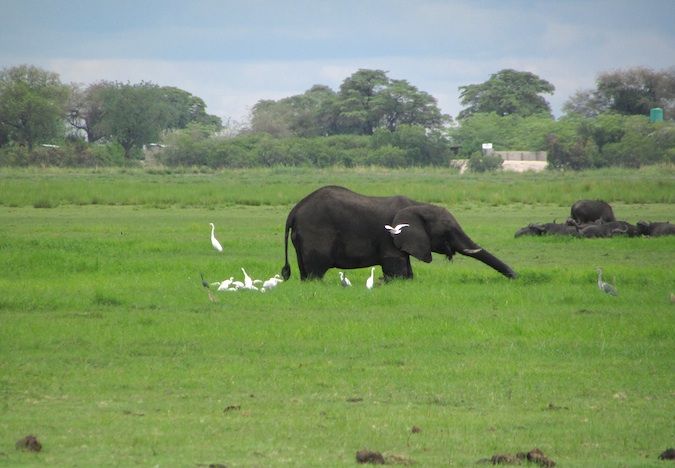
{"type": "Point", "coordinates": [35, 107]}
{"type": "Point", "coordinates": [366, 101]}
{"type": "Point", "coordinates": [370, 119]}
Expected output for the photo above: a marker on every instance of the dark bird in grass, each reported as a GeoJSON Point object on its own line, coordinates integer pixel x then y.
{"type": "Point", "coordinates": [204, 282]}
{"type": "Point", "coordinates": [605, 286]}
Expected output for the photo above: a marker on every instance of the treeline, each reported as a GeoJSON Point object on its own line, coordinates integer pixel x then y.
{"type": "Point", "coordinates": [370, 120]}
{"type": "Point", "coordinates": [572, 142]}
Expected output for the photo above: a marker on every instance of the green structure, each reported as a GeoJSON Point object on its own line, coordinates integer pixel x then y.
{"type": "Point", "coordinates": [656, 114]}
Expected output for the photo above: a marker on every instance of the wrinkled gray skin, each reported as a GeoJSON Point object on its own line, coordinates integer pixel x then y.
{"type": "Point", "coordinates": [599, 230]}
{"type": "Point", "coordinates": [607, 229]}
{"type": "Point", "coordinates": [656, 229]}
{"type": "Point", "coordinates": [572, 228]}
{"type": "Point", "coordinates": [589, 211]}
{"type": "Point", "coordinates": [547, 228]}
{"type": "Point", "coordinates": [334, 227]}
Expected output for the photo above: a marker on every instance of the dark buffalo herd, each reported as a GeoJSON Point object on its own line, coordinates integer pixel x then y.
{"type": "Point", "coordinates": [595, 218]}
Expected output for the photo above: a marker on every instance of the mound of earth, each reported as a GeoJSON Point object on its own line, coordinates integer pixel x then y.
{"type": "Point", "coordinates": [533, 456]}
{"type": "Point", "coordinates": [367, 456]}
{"type": "Point", "coordinates": [29, 443]}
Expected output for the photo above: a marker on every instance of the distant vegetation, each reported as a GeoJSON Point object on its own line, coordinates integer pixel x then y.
{"type": "Point", "coordinates": [372, 120]}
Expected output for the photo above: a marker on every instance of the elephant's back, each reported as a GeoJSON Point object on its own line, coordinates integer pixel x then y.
{"type": "Point", "coordinates": [331, 205]}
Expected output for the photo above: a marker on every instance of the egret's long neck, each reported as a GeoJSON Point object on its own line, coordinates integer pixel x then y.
{"type": "Point", "coordinates": [213, 229]}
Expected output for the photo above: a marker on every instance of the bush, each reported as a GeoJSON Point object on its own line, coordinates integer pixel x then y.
{"type": "Point", "coordinates": [479, 162]}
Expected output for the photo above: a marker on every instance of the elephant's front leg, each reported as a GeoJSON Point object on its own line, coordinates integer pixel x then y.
{"type": "Point", "coordinates": [397, 267]}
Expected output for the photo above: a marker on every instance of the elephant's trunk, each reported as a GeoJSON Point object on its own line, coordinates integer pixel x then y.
{"type": "Point", "coordinates": [489, 259]}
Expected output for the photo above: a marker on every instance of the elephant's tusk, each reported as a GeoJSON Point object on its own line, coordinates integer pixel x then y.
{"type": "Point", "coordinates": [471, 251]}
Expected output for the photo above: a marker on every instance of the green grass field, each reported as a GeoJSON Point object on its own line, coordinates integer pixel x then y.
{"type": "Point", "coordinates": [113, 354]}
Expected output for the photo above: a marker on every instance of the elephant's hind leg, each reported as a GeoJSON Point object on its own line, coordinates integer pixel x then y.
{"type": "Point", "coordinates": [316, 265]}
{"type": "Point", "coordinates": [397, 267]}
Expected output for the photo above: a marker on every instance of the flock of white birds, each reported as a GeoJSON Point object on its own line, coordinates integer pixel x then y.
{"type": "Point", "coordinates": [251, 284]}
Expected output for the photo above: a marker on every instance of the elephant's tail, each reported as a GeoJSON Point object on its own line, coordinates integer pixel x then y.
{"type": "Point", "coordinates": [286, 270]}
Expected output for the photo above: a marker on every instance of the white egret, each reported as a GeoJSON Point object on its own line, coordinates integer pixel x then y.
{"type": "Point", "coordinates": [395, 230]}
{"type": "Point", "coordinates": [371, 279]}
{"type": "Point", "coordinates": [271, 283]}
{"type": "Point", "coordinates": [214, 242]}
{"type": "Point", "coordinates": [225, 284]}
{"type": "Point", "coordinates": [604, 286]}
{"type": "Point", "coordinates": [344, 281]}
{"type": "Point", "coordinates": [248, 281]}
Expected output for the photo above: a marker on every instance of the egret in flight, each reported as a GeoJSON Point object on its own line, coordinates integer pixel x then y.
{"type": "Point", "coordinates": [214, 242]}
{"type": "Point", "coordinates": [395, 230]}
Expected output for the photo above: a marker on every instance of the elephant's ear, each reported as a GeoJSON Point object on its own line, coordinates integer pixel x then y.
{"type": "Point", "coordinates": [413, 239]}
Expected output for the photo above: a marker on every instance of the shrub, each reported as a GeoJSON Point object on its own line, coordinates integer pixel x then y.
{"type": "Point", "coordinates": [479, 162]}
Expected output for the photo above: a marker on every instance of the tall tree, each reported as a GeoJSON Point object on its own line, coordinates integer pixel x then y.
{"type": "Point", "coordinates": [629, 92]}
{"type": "Point", "coordinates": [507, 92]}
{"type": "Point", "coordinates": [586, 103]}
{"type": "Point", "coordinates": [32, 105]}
{"type": "Point", "coordinates": [86, 109]}
{"type": "Point", "coordinates": [184, 108]}
{"type": "Point", "coordinates": [359, 110]}
{"type": "Point", "coordinates": [637, 90]}
{"type": "Point", "coordinates": [403, 104]}
{"type": "Point", "coordinates": [310, 114]}
{"type": "Point", "coordinates": [133, 115]}
{"type": "Point", "coordinates": [367, 100]}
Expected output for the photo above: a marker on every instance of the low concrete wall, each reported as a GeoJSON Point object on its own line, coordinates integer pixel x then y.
{"type": "Point", "coordinates": [522, 155]}
{"type": "Point", "coordinates": [514, 166]}
{"type": "Point", "coordinates": [524, 166]}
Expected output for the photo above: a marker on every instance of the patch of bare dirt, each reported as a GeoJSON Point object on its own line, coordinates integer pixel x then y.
{"type": "Point", "coordinates": [533, 456]}
{"type": "Point", "coordinates": [29, 444]}
{"type": "Point", "coordinates": [367, 456]}
{"type": "Point", "coordinates": [537, 456]}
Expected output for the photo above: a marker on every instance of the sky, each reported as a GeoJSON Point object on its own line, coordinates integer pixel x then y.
{"type": "Point", "coordinates": [234, 53]}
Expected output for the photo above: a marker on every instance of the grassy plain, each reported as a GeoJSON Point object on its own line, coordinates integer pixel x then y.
{"type": "Point", "coordinates": [111, 352]}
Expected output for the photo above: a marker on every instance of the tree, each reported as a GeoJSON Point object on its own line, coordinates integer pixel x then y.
{"type": "Point", "coordinates": [637, 90]}
{"type": "Point", "coordinates": [86, 109]}
{"type": "Point", "coordinates": [586, 103]}
{"type": "Point", "coordinates": [507, 92]}
{"type": "Point", "coordinates": [629, 92]}
{"type": "Point", "coordinates": [359, 111]}
{"type": "Point", "coordinates": [133, 116]}
{"type": "Point", "coordinates": [403, 104]}
{"type": "Point", "coordinates": [183, 108]}
{"type": "Point", "coordinates": [310, 114]}
{"type": "Point", "coordinates": [273, 117]}
{"type": "Point", "coordinates": [366, 101]}
{"type": "Point", "coordinates": [32, 105]}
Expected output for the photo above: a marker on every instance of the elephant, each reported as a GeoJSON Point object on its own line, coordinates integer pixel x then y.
{"type": "Point", "coordinates": [655, 229]}
{"type": "Point", "coordinates": [334, 227]}
{"type": "Point", "coordinates": [547, 228]}
{"type": "Point", "coordinates": [588, 211]}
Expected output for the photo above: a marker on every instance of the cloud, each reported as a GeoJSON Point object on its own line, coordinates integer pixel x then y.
{"type": "Point", "coordinates": [232, 54]}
